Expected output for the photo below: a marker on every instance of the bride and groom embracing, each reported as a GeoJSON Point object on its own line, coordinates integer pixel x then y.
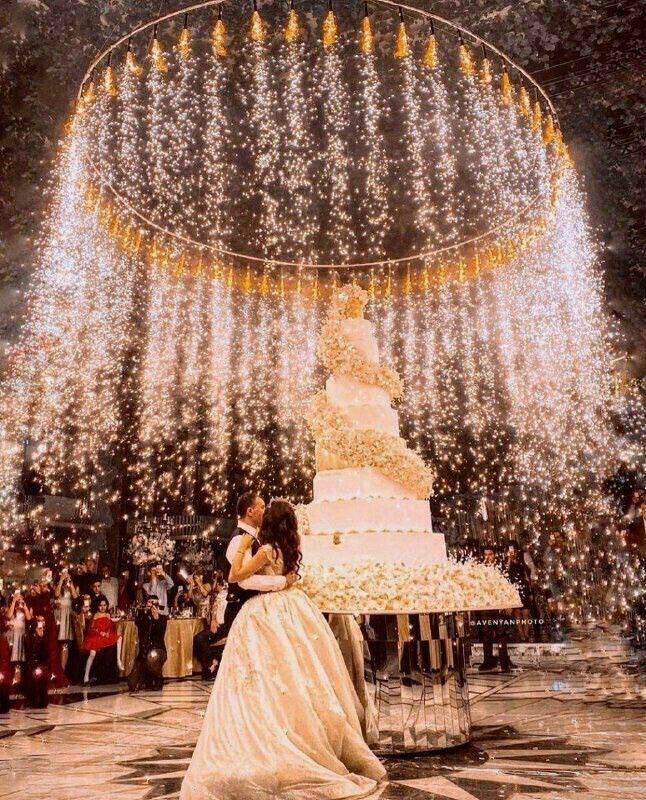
{"type": "Point", "coordinates": [283, 720]}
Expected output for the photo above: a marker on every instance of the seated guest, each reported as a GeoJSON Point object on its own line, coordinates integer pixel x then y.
{"type": "Point", "coordinates": [102, 635]}
{"type": "Point", "coordinates": [37, 657]}
{"type": "Point", "coordinates": [151, 630]}
{"type": "Point", "coordinates": [109, 588]}
{"type": "Point", "coordinates": [159, 584]}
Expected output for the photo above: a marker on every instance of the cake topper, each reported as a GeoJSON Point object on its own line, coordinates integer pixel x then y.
{"type": "Point", "coordinates": [349, 301]}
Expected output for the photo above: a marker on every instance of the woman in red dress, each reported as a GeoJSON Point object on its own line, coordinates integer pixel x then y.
{"type": "Point", "coordinates": [100, 634]}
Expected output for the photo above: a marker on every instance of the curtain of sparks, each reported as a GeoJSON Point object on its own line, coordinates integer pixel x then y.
{"type": "Point", "coordinates": [164, 389]}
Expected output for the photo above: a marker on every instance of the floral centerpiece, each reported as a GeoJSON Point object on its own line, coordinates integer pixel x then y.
{"type": "Point", "coordinates": [151, 544]}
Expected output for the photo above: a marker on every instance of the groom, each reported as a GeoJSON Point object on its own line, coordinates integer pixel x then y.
{"type": "Point", "coordinates": [250, 510]}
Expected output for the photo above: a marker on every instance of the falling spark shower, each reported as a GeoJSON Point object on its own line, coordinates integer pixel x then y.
{"type": "Point", "coordinates": [162, 373]}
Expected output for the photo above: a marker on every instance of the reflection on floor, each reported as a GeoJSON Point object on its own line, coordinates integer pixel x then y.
{"type": "Point", "coordinates": [557, 733]}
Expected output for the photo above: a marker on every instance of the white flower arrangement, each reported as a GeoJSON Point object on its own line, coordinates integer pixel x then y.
{"type": "Point", "coordinates": [374, 586]}
{"type": "Point", "coordinates": [151, 545]}
{"type": "Point", "coordinates": [333, 431]}
{"type": "Point", "coordinates": [348, 301]}
{"type": "Point", "coordinates": [341, 357]}
{"type": "Point", "coordinates": [303, 519]}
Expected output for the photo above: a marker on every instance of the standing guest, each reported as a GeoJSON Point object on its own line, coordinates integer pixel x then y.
{"type": "Point", "coordinates": [39, 597]}
{"type": "Point", "coordinates": [110, 588]}
{"type": "Point", "coordinates": [81, 618]}
{"type": "Point", "coordinates": [200, 594]}
{"type": "Point", "coordinates": [183, 602]}
{"type": "Point", "coordinates": [18, 615]}
{"type": "Point", "coordinates": [209, 643]}
{"type": "Point", "coordinates": [551, 569]}
{"type": "Point", "coordinates": [159, 585]}
{"type": "Point", "coordinates": [493, 627]}
{"type": "Point", "coordinates": [5, 662]}
{"type": "Point", "coordinates": [151, 630]}
{"type": "Point", "coordinates": [101, 635]}
{"type": "Point", "coordinates": [87, 575]}
{"type": "Point", "coordinates": [126, 596]}
{"type": "Point", "coordinates": [635, 520]}
{"type": "Point", "coordinates": [518, 574]}
{"type": "Point", "coordinates": [95, 595]}
{"type": "Point", "coordinates": [36, 679]}
{"type": "Point", "coordinates": [65, 593]}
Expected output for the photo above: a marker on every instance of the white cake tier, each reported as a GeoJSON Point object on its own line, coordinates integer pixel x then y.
{"type": "Point", "coordinates": [410, 548]}
{"type": "Point", "coordinates": [361, 333]}
{"type": "Point", "coordinates": [357, 483]}
{"type": "Point", "coordinates": [380, 514]}
{"type": "Point", "coordinates": [373, 418]}
{"type": "Point", "coordinates": [345, 392]}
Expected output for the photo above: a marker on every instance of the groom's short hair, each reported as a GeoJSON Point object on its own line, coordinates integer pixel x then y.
{"type": "Point", "coordinates": [245, 501]}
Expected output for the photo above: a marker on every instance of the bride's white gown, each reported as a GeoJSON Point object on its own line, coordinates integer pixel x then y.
{"type": "Point", "coordinates": [283, 720]}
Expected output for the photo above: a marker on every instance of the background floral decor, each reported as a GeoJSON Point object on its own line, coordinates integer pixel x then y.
{"type": "Point", "coordinates": [197, 556]}
{"type": "Point", "coordinates": [151, 545]}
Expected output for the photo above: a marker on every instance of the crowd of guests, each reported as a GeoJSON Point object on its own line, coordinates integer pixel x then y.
{"type": "Point", "coordinates": [61, 628]}
{"type": "Point", "coordinates": [569, 581]}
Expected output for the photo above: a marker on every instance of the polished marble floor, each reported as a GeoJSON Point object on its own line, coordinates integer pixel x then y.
{"type": "Point", "coordinates": [573, 728]}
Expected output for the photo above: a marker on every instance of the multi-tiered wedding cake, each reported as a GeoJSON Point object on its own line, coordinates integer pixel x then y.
{"type": "Point", "coordinates": [369, 545]}
{"type": "Point", "coordinates": [371, 492]}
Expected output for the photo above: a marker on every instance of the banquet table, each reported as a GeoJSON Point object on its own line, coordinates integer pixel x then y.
{"type": "Point", "coordinates": [178, 640]}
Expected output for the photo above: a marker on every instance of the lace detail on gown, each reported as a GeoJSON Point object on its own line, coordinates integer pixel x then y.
{"type": "Point", "coordinates": [276, 565]}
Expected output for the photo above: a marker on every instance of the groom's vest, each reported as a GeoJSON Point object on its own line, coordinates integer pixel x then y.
{"type": "Point", "coordinates": [236, 594]}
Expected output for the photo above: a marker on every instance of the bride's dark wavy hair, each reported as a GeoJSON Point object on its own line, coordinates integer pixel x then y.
{"type": "Point", "coordinates": [280, 529]}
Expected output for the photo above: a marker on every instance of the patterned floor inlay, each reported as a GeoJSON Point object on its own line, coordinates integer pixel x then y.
{"type": "Point", "coordinates": [538, 735]}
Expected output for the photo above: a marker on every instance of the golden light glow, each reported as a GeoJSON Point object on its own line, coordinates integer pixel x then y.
{"type": "Point", "coordinates": [330, 29]}
{"type": "Point", "coordinates": [257, 30]}
{"type": "Point", "coordinates": [430, 52]}
{"type": "Point", "coordinates": [219, 39]}
{"type": "Point", "coordinates": [467, 67]}
{"type": "Point", "coordinates": [292, 28]}
{"type": "Point", "coordinates": [402, 49]}
{"type": "Point", "coordinates": [366, 37]}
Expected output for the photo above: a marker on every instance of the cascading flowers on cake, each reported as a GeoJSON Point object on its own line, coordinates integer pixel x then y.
{"type": "Point", "coordinates": [333, 430]}
{"type": "Point", "coordinates": [341, 357]}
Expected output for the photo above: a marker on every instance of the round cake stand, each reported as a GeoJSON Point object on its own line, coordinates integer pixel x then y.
{"type": "Point", "coordinates": [413, 668]}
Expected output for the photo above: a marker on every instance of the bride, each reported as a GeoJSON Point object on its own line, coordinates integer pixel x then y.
{"type": "Point", "coordinates": [283, 720]}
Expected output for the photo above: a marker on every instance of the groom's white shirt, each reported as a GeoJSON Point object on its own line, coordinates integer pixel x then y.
{"type": "Point", "coordinates": [254, 583]}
